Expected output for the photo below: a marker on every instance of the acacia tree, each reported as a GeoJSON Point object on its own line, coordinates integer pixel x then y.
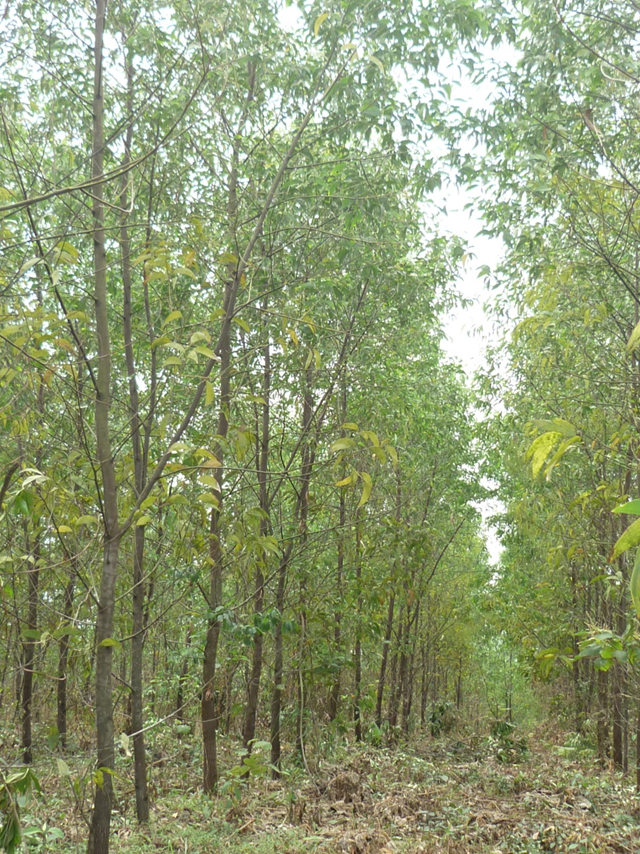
{"type": "Point", "coordinates": [209, 214]}
{"type": "Point", "coordinates": [567, 214]}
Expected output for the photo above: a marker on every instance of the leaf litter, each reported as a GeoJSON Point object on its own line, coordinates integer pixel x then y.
{"type": "Point", "coordinates": [439, 796]}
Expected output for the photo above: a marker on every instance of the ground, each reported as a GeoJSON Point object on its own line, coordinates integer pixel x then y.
{"type": "Point", "coordinates": [534, 793]}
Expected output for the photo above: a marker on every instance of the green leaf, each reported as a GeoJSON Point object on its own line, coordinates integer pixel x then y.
{"type": "Point", "coordinates": [207, 351]}
{"type": "Point", "coordinates": [174, 315]}
{"type": "Point", "coordinates": [370, 436]}
{"type": "Point", "coordinates": [65, 253]}
{"type": "Point", "coordinates": [632, 507]}
{"type": "Point", "coordinates": [366, 490]}
{"type": "Point", "coordinates": [28, 265]}
{"type": "Point", "coordinates": [559, 454]}
{"type": "Point", "coordinates": [347, 481]}
{"type": "Point", "coordinates": [109, 642]}
{"type": "Point", "coordinates": [634, 584]}
{"type": "Point", "coordinates": [208, 498]}
{"type": "Point", "coordinates": [209, 480]}
{"type": "Point", "coordinates": [377, 63]}
{"type": "Point", "coordinates": [209, 394]}
{"type": "Point", "coordinates": [242, 324]}
{"type": "Point", "coordinates": [78, 315]}
{"type": "Point", "coordinates": [392, 454]}
{"type": "Point", "coordinates": [85, 520]}
{"type": "Point", "coordinates": [161, 341]}
{"type": "Point", "coordinates": [540, 449]}
{"type": "Point", "coordinates": [343, 444]}
{"type": "Point", "coordinates": [629, 539]}
{"type": "Point", "coordinates": [178, 498]}
{"type": "Point", "coordinates": [557, 425]}
{"type": "Point", "coordinates": [143, 520]}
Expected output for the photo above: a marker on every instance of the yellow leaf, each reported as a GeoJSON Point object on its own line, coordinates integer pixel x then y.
{"type": "Point", "coordinates": [213, 463]}
{"type": "Point", "coordinates": [174, 315]}
{"type": "Point", "coordinates": [346, 481]}
{"type": "Point", "coordinates": [634, 339]}
{"type": "Point", "coordinates": [208, 394]}
{"type": "Point", "coordinates": [319, 22]}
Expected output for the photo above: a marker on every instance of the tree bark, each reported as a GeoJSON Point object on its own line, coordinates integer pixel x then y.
{"type": "Point", "coordinates": [357, 712]}
{"type": "Point", "coordinates": [101, 818]}
{"type": "Point", "coordinates": [29, 649]}
{"type": "Point", "coordinates": [137, 605]}
{"type": "Point", "coordinates": [253, 688]}
{"type": "Point", "coordinates": [209, 706]}
{"type": "Point", "coordinates": [63, 657]}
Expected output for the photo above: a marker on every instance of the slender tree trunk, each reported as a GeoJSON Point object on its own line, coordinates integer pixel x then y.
{"type": "Point", "coordinates": [278, 668]}
{"type": "Point", "coordinates": [618, 688]}
{"type": "Point", "coordinates": [389, 626]}
{"type": "Point", "coordinates": [407, 688]}
{"type": "Point", "coordinates": [29, 649]}
{"type": "Point", "coordinates": [358, 646]}
{"type": "Point", "coordinates": [101, 819]}
{"type": "Point", "coordinates": [184, 670]}
{"type": "Point", "coordinates": [137, 713]}
{"type": "Point", "coordinates": [253, 692]}
{"type": "Point", "coordinates": [334, 697]}
{"type": "Point", "coordinates": [307, 455]}
{"type": "Point", "coordinates": [396, 677]}
{"type": "Point", "coordinates": [616, 698]}
{"type": "Point", "coordinates": [603, 716]}
{"type": "Point", "coordinates": [138, 632]}
{"type": "Point", "coordinates": [209, 706]}
{"type": "Point", "coordinates": [638, 747]}
{"type": "Point", "coordinates": [63, 658]}
{"type": "Point", "coordinates": [385, 657]}
{"type": "Point", "coordinates": [424, 685]}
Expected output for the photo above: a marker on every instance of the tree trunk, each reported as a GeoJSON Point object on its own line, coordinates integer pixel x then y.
{"type": "Point", "coordinates": [307, 455]}
{"type": "Point", "coordinates": [358, 646]}
{"type": "Point", "coordinates": [209, 706]}
{"type": "Point", "coordinates": [137, 605]}
{"type": "Point", "coordinates": [29, 649]}
{"type": "Point", "coordinates": [253, 688]}
{"type": "Point", "coordinates": [184, 670]}
{"type": "Point", "coordinates": [278, 670]}
{"type": "Point", "coordinates": [101, 818]}
{"type": "Point", "coordinates": [389, 627]}
{"type": "Point", "coordinates": [63, 657]}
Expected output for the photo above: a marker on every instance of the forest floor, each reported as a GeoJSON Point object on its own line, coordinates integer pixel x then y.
{"type": "Point", "coordinates": [453, 794]}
